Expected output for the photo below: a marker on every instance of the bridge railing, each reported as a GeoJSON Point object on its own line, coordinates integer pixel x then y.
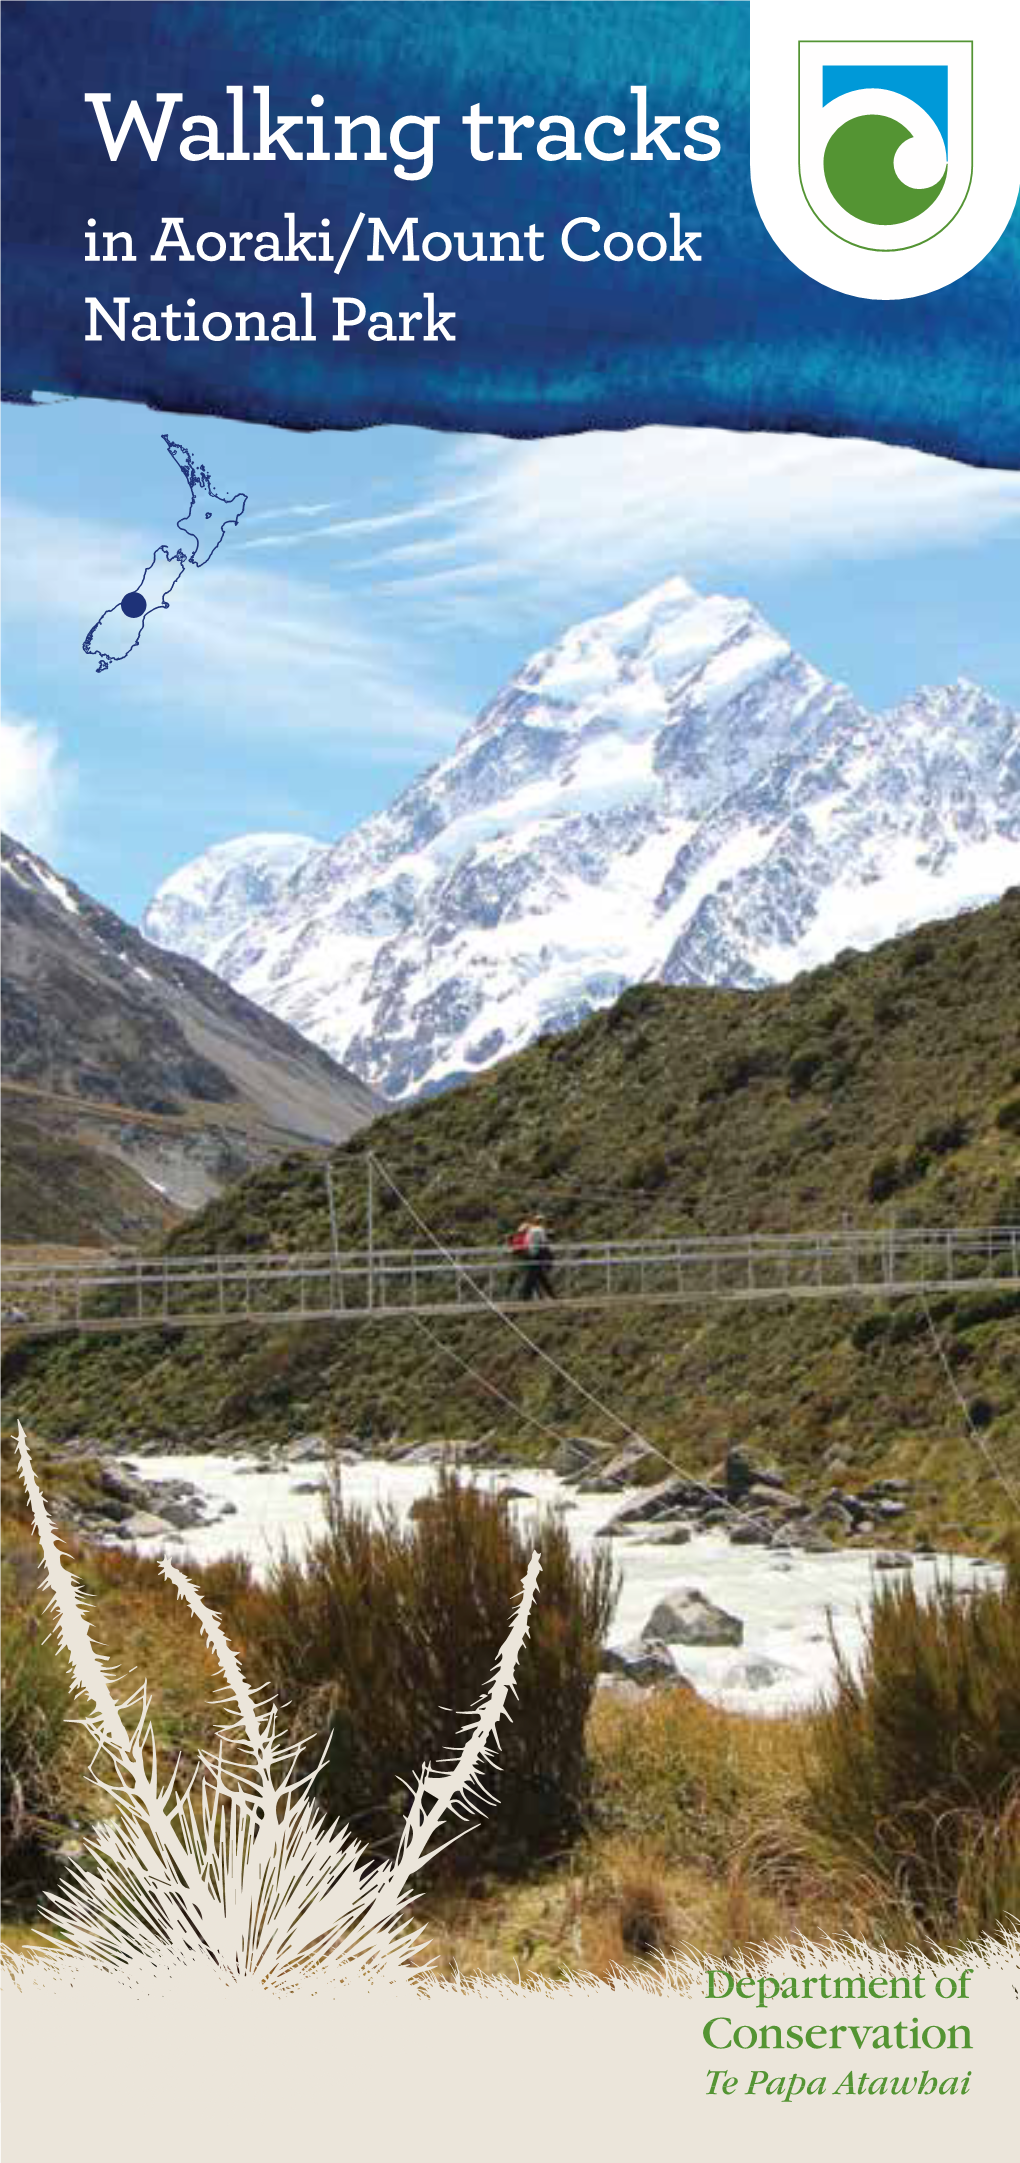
{"type": "Point", "coordinates": [164, 1290]}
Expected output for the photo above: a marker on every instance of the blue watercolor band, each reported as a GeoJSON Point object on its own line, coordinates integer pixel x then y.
{"type": "Point", "coordinates": [740, 340]}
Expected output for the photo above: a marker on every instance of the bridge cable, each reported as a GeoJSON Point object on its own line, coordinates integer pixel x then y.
{"type": "Point", "coordinates": [530, 1418]}
{"type": "Point", "coordinates": [539, 1351]}
{"type": "Point", "coordinates": [973, 1430]}
{"type": "Point", "coordinates": [606, 1410]}
{"type": "Point", "coordinates": [673, 1468]}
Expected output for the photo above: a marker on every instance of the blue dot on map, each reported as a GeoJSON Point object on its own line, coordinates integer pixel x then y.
{"type": "Point", "coordinates": [133, 604]}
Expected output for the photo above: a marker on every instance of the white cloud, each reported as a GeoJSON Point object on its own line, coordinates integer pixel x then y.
{"type": "Point", "coordinates": [252, 649]}
{"type": "Point", "coordinates": [694, 495]}
{"type": "Point", "coordinates": [35, 783]}
{"type": "Point", "coordinates": [344, 529]}
{"type": "Point", "coordinates": [290, 510]}
{"type": "Point", "coordinates": [540, 517]}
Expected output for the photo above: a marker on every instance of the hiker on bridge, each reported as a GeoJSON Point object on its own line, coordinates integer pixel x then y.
{"type": "Point", "coordinates": [532, 1243]}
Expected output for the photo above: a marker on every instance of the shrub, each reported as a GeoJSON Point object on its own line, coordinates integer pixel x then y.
{"type": "Point", "coordinates": [918, 951]}
{"type": "Point", "coordinates": [917, 1759]}
{"type": "Point", "coordinates": [1007, 1118]}
{"type": "Point", "coordinates": [914, 1164]}
{"type": "Point", "coordinates": [884, 1178]}
{"type": "Point", "coordinates": [944, 1136]}
{"type": "Point", "coordinates": [648, 1173]}
{"type": "Point", "coordinates": [976, 1308]}
{"type": "Point", "coordinates": [871, 1329]}
{"type": "Point", "coordinates": [386, 1638]}
{"type": "Point", "coordinates": [887, 1010]}
{"type": "Point", "coordinates": [737, 1069]}
{"type": "Point", "coordinates": [647, 1924]}
{"type": "Point", "coordinates": [804, 1068]}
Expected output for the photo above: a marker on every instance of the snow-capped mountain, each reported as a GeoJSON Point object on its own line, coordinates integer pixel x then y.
{"type": "Point", "coordinates": [670, 791]}
{"type": "Point", "coordinates": [202, 908]}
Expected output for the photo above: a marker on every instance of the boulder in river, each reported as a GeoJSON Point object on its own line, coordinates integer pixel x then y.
{"type": "Point", "coordinates": [122, 1486]}
{"type": "Point", "coordinates": [889, 1560]}
{"type": "Point", "coordinates": [183, 1511]}
{"type": "Point", "coordinates": [832, 1511]}
{"type": "Point", "coordinates": [665, 1499]}
{"type": "Point", "coordinates": [668, 1535]}
{"type": "Point", "coordinates": [755, 1673]}
{"type": "Point", "coordinates": [619, 1471]}
{"type": "Point", "coordinates": [306, 1448]}
{"type": "Point", "coordinates": [744, 1472]}
{"type": "Point", "coordinates": [752, 1534]}
{"type": "Point", "coordinates": [576, 1455]}
{"type": "Point", "coordinates": [765, 1497]}
{"type": "Point", "coordinates": [646, 1660]}
{"type": "Point", "coordinates": [806, 1537]}
{"type": "Point", "coordinates": [686, 1617]}
{"type": "Point", "coordinates": [142, 1525]}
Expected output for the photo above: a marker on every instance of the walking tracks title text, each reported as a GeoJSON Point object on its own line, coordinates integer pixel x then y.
{"type": "Point", "coordinates": [249, 133]}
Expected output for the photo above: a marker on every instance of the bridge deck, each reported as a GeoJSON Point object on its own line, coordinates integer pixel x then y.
{"type": "Point", "coordinates": [210, 1291]}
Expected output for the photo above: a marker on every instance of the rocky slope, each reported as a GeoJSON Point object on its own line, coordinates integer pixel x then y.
{"type": "Point", "coordinates": [668, 793]}
{"type": "Point", "coordinates": [135, 1083]}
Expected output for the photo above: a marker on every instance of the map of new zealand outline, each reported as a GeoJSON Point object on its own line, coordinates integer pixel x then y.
{"type": "Point", "coordinates": [167, 566]}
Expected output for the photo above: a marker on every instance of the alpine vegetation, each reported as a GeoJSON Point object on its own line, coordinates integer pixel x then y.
{"type": "Point", "coordinates": [246, 1877]}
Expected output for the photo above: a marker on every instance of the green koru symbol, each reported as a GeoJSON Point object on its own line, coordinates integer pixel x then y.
{"type": "Point", "coordinates": [860, 172]}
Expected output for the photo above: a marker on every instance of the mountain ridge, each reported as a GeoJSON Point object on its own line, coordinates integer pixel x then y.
{"type": "Point", "coordinates": [148, 1075]}
{"type": "Point", "coordinates": [668, 792]}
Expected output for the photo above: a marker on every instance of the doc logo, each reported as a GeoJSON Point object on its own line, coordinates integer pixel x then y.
{"type": "Point", "coordinates": [886, 156]}
{"type": "Point", "coordinates": [885, 164]}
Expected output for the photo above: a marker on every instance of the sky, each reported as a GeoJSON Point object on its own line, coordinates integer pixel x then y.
{"type": "Point", "coordinates": [383, 584]}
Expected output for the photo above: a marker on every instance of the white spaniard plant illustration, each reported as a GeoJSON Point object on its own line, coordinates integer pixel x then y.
{"type": "Point", "coordinates": [240, 1869]}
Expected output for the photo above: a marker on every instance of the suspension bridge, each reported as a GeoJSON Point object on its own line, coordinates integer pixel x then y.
{"type": "Point", "coordinates": [210, 1291]}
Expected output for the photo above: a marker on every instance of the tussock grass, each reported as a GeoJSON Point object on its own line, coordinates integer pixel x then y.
{"type": "Point", "coordinates": [702, 1777]}
{"type": "Point", "coordinates": [917, 1761]}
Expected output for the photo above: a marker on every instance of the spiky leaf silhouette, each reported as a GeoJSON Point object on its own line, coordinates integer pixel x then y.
{"type": "Point", "coordinates": [245, 1872]}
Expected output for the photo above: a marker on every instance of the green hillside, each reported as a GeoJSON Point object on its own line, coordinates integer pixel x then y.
{"type": "Point", "coordinates": [886, 1083]}
{"type": "Point", "coordinates": [58, 1188]}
